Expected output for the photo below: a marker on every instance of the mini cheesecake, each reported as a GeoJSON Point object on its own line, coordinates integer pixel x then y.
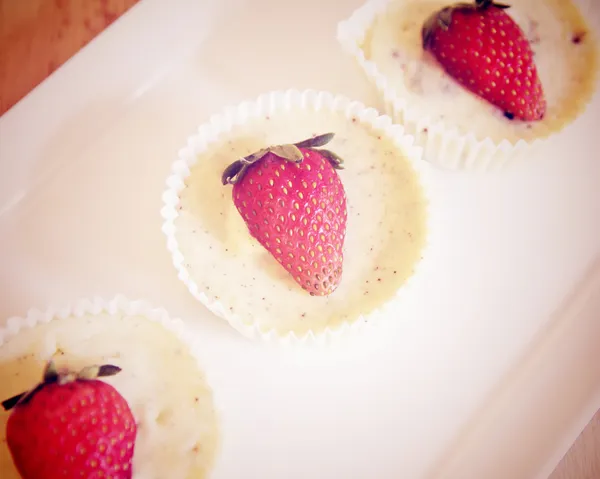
{"type": "Point", "coordinates": [159, 378]}
{"type": "Point", "coordinates": [227, 269]}
{"type": "Point", "coordinates": [565, 55]}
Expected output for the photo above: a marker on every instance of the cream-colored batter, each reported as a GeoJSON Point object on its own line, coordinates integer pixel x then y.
{"type": "Point", "coordinates": [177, 428]}
{"type": "Point", "coordinates": [566, 57]}
{"type": "Point", "coordinates": [385, 230]}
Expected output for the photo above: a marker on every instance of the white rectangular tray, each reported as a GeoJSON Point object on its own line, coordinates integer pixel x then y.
{"type": "Point", "coordinates": [493, 376]}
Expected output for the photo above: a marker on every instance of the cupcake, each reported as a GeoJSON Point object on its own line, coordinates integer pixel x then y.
{"type": "Point", "coordinates": [298, 215]}
{"type": "Point", "coordinates": [453, 89]}
{"type": "Point", "coordinates": [131, 396]}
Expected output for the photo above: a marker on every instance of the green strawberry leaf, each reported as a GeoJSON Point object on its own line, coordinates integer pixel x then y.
{"type": "Point", "coordinates": [257, 155]}
{"type": "Point", "coordinates": [336, 161]}
{"type": "Point", "coordinates": [482, 4]}
{"type": "Point", "coordinates": [50, 372]}
{"type": "Point", "coordinates": [288, 152]}
{"type": "Point", "coordinates": [10, 403]}
{"type": "Point", "coordinates": [108, 370]}
{"type": "Point", "coordinates": [93, 372]}
{"type": "Point", "coordinates": [232, 174]}
{"type": "Point", "coordinates": [320, 140]}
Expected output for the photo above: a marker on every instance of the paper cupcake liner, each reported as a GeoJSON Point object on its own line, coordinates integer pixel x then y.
{"type": "Point", "coordinates": [94, 306]}
{"type": "Point", "coordinates": [444, 145]}
{"type": "Point", "coordinates": [119, 305]}
{"type": "Point", "coordinates": [269, 104]}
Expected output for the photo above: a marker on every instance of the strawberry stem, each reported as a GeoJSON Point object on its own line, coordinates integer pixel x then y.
{"type": "Point", "coordinates": [53, 375]}
{"type": "Point", "coordinates": [290, 152]}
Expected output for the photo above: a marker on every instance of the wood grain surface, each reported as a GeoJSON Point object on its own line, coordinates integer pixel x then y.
{"type": "Point", "coordinates": [37, 36]}
{"type": "Point", "coordinates": [583, 459]}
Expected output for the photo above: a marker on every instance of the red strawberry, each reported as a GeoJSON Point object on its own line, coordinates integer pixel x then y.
{"type": "Point", "coordinates": [71, 426]}
{"type": "Point", "coordinates": [483, 48]}
{"type": "Point", "coordinates": [294, 204]}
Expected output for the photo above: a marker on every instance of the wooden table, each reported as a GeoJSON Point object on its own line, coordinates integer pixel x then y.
{"type": "Point", "coordinates": [37, 36]}
{"type": "Point", "coordinates": [583, 459]}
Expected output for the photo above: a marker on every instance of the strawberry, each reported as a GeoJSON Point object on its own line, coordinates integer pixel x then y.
{"type": "Point", "coordinates": [294, 204]}
{"type": "Point", "coordinates": [483, 48]}
{"type": "Point", "coordinates": [71, 426]}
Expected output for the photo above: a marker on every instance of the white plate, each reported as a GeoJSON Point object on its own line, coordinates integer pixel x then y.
{"type": "Point", "coordinates": [493, 374]}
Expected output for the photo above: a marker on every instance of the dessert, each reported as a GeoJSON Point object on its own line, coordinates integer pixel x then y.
{"type": "Point", "coordinates": [232, 273]}
{"type": "Point", "coordinates": [455, 124]}
{"type": "Point", "coordinates": [176, 430]}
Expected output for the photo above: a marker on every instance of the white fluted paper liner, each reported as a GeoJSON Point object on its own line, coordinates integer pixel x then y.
{"type": "Point", "coordinates": [268, 105]}
{"type": "Point", "coordinates": [121, 306]}
{"type": "Point", "coordinates": [443, 145]}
